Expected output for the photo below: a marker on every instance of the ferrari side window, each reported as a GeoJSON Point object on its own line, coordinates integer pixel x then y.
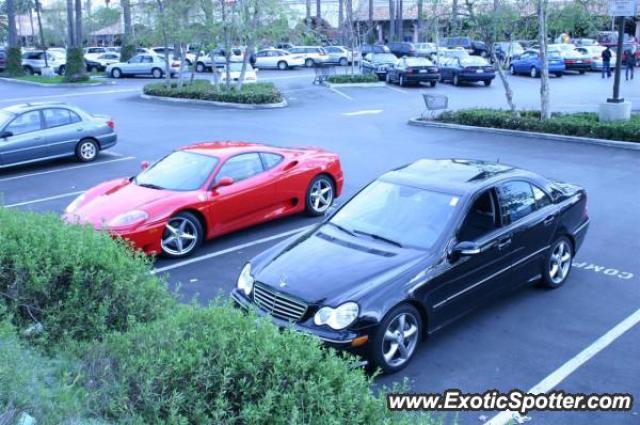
{"type": "Point", "coordinates": [241, 167]}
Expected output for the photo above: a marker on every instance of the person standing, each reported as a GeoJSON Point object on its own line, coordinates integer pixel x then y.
{"type": "Point", "coordinates": [606, 62]}
{"type": "Point", "coordinates": [629, 61]}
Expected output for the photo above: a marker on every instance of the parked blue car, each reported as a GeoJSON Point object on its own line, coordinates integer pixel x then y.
{"type": "Point", "coordinates": [530, 63]}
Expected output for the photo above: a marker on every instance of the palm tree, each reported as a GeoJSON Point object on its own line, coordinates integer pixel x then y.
{"type": "Point", "coordinates": [127, 43]}
{"type": "Point", "coordinates": [307, 19]}
{"type": "Point", "coordinates": [370, 18]}
{"type": "Point", "coordinates": [318, 12]}
{"type": "Point", "coordinates": [14, 60]}
{"type": "Point", "coordinates": [392, 19]}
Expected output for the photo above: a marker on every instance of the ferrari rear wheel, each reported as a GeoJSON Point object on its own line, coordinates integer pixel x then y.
{"type": "Point", "coordinates": [320, 195]}
{"type": "Point", "coordinates": [182, 234]}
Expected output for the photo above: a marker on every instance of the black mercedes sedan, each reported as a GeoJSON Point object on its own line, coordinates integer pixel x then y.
{"type": "Point", "coordinates": [413, 71]}
{"type": "Point", "coordinates": [468, 69]}
{"type": "Point", "coordinates": [415, 249]}
{"type": "Point", "coordinates": [378, 63]}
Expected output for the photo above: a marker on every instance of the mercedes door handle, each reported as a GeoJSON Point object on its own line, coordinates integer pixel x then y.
{"type": "Point", "coordinates": [504, 242]}
{"type": "Point", "coordinates": [547, 221]}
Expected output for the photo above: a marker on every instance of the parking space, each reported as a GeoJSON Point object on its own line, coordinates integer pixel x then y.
{"type": "Point", "coordinates": [516, 341]}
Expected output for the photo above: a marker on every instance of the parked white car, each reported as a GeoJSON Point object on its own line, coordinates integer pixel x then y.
{"type": "Point", "coordinates": [278, 58]}
{"type": "Point", "coordinates": [33, 62]}
{"type": "Point", "coordinates": [595, 53]}
{"type": "Point", "coordinates": [235, 69]}
{"type": "Point", "coordinates": [189, 58]}
{"type": "Point", "coordinates": [340, 55]}
{"type": "Point", "coordinates": [99, 63]}
{"type": "Point", "coordinates": [311, 54]}
{"type": "Point", "coordinates": [143, 64]}
{"type": "Point", "coordinates": [91, 53]}
{"type": "Point", "coordinates": [206, 64]}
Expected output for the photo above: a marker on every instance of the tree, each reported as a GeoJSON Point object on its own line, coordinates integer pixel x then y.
{"type": "Point", "coordinates": [341, 21]}
{"type": "Point", "coordinates": [545, 112]}
{"type": "Point", "coordinates": [501, 21]}
{"type": "Point", "coordinates": [318, 12]}
{"type": "Point", "coordinates": [420, 20]}
{"type": "Point", "coordinates": [307, 19]}
{"type": "Point", "coordinates": [75, 68]}
{"type": "Point", "coordinates": [127, 49]}
{"type": "Point", "coordinates": [14, 57]}
{"type": "Point", "coordinates": [392, 19]}
{"type": "Point", "coordinates": [370, 29]}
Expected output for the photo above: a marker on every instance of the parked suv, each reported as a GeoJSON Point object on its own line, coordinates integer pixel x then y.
{"type": "Point", "coordinates": [474, 47]}
{"type": "Point", "coordinates": [3, 60]}
{"type": "Point", "coordinates": [33, 62]}
{"type": "Point", "coordinates": [401, 49]}
{"type": "Point", "coordinates": [312, 54]}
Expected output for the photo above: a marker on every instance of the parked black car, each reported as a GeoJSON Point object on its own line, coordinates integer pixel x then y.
{"type": "Point", "coordinates": [403, 48]}
{"type": "Point", "coordinates": [3, 59]}
{"type": "Point", "coordinates": [413, 71]}
{"type": "Point", "coordinates": [469, 69]}
{"type": "Point", "coordinates": [474, 47]}
{"type": "Point", "coordinates": [414, 250]}
{"type": "Point", "coordinates": [378, 63]}
{"type": "Point", "coordinates": [365, 49]}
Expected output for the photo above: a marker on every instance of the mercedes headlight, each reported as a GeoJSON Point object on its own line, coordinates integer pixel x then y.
{"type": "Point", "coordinates": [128, 218]}
{"type": "Point", "coordinates": [74, 204]}
{"type": "Point", "coordinates": [337, 318]}
{"type": "Point", "coordinates": [245, 280]}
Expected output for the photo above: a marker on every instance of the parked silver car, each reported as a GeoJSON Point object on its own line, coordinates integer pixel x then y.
{"type": "Point", "coordinates": [33, 62]}
{"type": "Point", "coordinates": [341, 55]}
{"type": "Point", "coordinates": [142, 64]}
{"type": "Point", "coordinates": [312, 54]}
{"type": "Point", "coordinates": [38, 131]}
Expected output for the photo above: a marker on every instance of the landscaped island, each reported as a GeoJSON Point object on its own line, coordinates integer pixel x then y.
{"type": "Point", "coordinates": [256, 94]}
{"type": "Point", "coordinates": [582, 124]}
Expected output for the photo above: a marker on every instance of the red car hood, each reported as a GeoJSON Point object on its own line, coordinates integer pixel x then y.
{"type": "Point", "coordinates": [110, 199]}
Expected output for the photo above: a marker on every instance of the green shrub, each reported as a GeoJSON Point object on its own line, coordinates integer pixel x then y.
{"type": "Point", "coordinates": [260, 93]}
{"type": "Point", "coordinates": [76, 282]}
{"type": "Point", "coordinates": [45, 388]}
{"type": "Point", "coordinates": [13, 65]}
{"type": "Point", "coordinates": [582, 124]}
{"type": "Point", "coordinates": [355, 78]}
{"type": "Point", "coordinates": [75, 68]}
{"type": "Point", "coordinates": [217, 365]}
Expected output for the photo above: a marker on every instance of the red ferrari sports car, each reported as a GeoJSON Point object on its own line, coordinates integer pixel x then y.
{"type": "Point", "coordinates": [205, 190]}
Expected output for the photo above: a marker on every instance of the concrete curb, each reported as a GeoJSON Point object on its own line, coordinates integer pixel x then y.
{"type": "Point", "coordinates": [282, 104]}
{"type": "Point", "coordinates": [58, 85]}
{"type": "Point", "coordinates": [531, 135]}
{"type": "Point", "coordinates": [337, 86]}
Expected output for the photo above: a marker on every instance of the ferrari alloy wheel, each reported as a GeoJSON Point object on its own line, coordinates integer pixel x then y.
{"type": "Point", "coordinates": [394, 342]}
{"type": "Point", "coordinates": [87, 150]}
{"type": "Point", "coordinates": [182, 235]}
{"type": "Point", "coordinates": [558, 264]}
{"type": "Point", "coordinates": [319, 195]}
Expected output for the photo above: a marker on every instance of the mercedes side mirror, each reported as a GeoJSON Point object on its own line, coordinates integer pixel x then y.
{"type": "Point", "coordinates": [224, 181]}
{"type": "Point", "coordinates": [467, 248]}
{"type": "Point", "coordinates": [5, 134]}
{"type": "Point", "coordinates": [144, 165]}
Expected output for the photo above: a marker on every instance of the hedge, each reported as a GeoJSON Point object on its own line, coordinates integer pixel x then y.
{"type": "Point", "coordinates": [583, 124]}
{"type": "Point", "coordinates": [260, 93]}
{"type": "Point", "coordinates": [219, 365]}
{"type": "Point", "coordinates": [72, 281]}
{"type": "Point", "coordinates": [42, 387]}
{"type": "Point", "coordinates": [353, 78]}
{"type": "Point", "coordinates": [120, 350]}
{"type": "Point", "coordinates": [13, 65]}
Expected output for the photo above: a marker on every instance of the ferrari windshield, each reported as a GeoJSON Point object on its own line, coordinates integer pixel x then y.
{"type": "Point", "coordinates": [178, 171]}
{"type": "Point", "coordinates": [401, 215]}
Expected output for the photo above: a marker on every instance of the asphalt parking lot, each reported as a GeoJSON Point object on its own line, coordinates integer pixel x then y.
{"type": "Point", "coordinates": [516, 342]}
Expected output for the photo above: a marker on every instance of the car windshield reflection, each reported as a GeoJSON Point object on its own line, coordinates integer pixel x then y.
{"type": "Point", "coordinates": [181, 171]}
{"type": "Point", "coordinates": [396, 214]}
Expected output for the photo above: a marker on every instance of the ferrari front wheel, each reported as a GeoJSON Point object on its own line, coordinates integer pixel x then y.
{"type": "Point", "coordinates": [182, 234]}
{"type": "Point", "coordinates": [320, 195]}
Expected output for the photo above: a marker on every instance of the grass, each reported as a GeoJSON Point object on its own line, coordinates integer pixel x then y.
{"type": "Point", "coordinates": [54, 79]}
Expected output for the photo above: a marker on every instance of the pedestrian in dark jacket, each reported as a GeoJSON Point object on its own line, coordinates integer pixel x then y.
{"type": "Point", "coordinates": [606, 62]}
{"type": "Point", "coordinates": [629, 62]}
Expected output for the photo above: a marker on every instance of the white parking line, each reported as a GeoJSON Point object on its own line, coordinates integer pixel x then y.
{"type": "Point", "coordinates": [396, 90]}
{"type": "Point", "coordinates": [48, 198]}
{"type": "Point", "coordinates": [570, 366]}
{"type": "Point", "coordinates": [86, 93]}
{"type": "Point", "coordinates": [346, 96]}
{"type": "Point", "coordinates": [228, 250]}
{"type": "Point", "coordinates": [74, 167]}
{"type": "Point", "coordinates": [365, 112]}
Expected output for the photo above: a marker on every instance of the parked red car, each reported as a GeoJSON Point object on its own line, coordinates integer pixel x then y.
{"type": "Point", "coordinates": [206, 190]}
